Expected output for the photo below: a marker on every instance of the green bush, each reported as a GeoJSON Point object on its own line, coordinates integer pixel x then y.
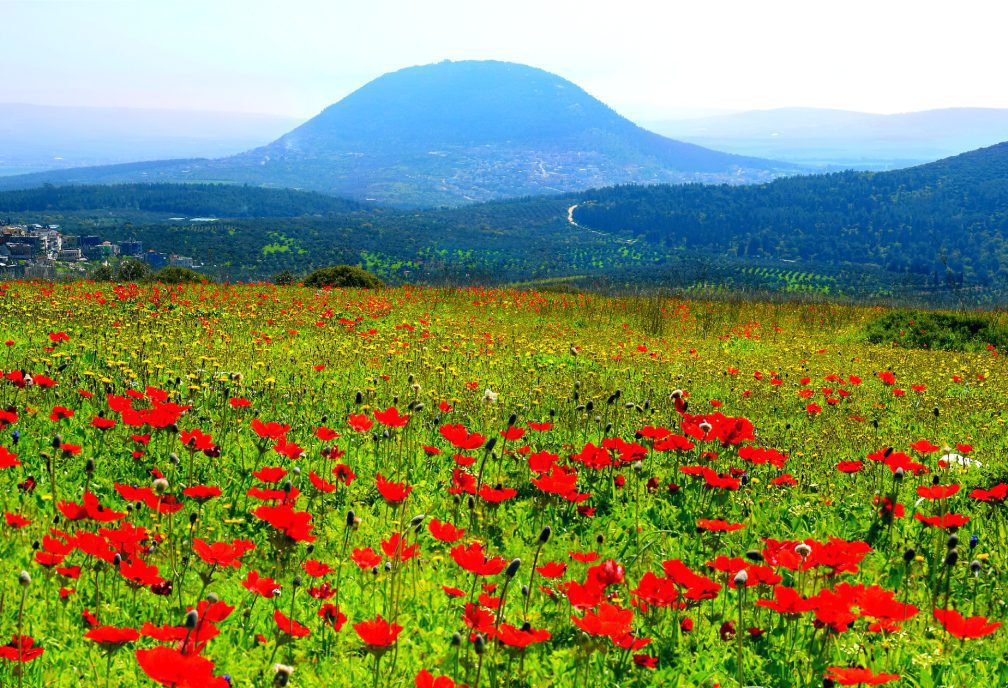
{"type": "Point", "coordinates": [911, 329]}
{"type": "Point", "coordinates": [133, 270]}
{"type": "Point", "coordinates": [103, 273]}
{"type": "Point", "coordinates": [343, 276]}
{"type": "Point", "coordinates": [178, 275]}
{"type": "Point", "coordinates": [284, 278]}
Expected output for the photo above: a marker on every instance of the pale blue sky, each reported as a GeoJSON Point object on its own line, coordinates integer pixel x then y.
{"type": "Point", "coordinates": [646, 59]}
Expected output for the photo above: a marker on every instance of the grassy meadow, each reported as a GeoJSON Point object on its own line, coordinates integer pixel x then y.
{"type": "Point", "coordinates": [262, 486]}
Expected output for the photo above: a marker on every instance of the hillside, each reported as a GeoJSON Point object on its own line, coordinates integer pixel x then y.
{"type": "Point", "coordinates": [844, 139]}
{"type": "Point", "coordinates": [451, 133]}
{"type": "Point", "coordinates": [933, 233]}
{"type": "Point", "coordinates": [944, 221]}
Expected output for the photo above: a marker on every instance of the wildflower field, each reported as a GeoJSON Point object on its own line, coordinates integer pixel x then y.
{"type": "Point", "coordinates": [256, 486]}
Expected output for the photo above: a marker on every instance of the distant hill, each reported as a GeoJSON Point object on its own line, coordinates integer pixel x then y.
{"type": "Point", "coordinates": [45, 137]}
{"type": "Point", "coordinates": [451, 133]}
{"type": "Point", "coordinates": [946, 221]}
{"type": "Point", "coordinates": [844, 139]}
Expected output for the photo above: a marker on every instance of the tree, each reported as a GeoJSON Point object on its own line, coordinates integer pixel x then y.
{"type": "Point", "coordinates": [343, 276]}
{"type": "Point", "coordinates": [102, 273]}
{"type": "Point", "coordinates": [174, 274]}
{"type": "Point", "coordinates": [133, 270]}
{"type": "Point", "coordinates": [284, 278]}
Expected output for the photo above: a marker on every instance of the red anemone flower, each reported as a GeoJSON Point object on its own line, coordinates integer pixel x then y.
{"type": "Point", "coordinates": [378, 634]}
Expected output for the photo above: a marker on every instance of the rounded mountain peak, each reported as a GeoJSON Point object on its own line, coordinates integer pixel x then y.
{"type": "Point", "coordinates": [456, 103]}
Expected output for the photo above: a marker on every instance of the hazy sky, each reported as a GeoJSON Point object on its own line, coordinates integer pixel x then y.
{"type": "Point", "coordinates": [646, 59]}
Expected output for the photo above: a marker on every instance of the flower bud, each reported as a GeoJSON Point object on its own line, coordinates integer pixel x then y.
{"type": "Point", "coordinates": [191, 619]}
{"type": "Point", "coordinates": [741, 578]}
{"type": "Point", "coordinates": [24, 579]}
{"type": "Point", "coordinates": [513, 567]}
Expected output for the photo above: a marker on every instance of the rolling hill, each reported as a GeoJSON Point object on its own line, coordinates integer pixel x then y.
{"type": "Point", "coordinates": [945, 222]}
{"type": "Point", "coordinates": [447, 134]}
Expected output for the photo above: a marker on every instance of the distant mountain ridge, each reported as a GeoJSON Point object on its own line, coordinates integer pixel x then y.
{"type": "Point", "coordinates": [841, 138]}
{"type": "Point", "coordinates": [451, 133]}
{"type": "Point", "coordinates": [48, 137]}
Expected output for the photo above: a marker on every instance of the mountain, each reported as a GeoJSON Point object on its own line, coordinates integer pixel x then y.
{"type": "Point", "coordinates": [43, 137]}
{"type": "Point", "coordinates": [942, 221]}
{"type": "Point", "coordinates": [844, 139]}
{"type": "Point", "coordinates": [451, 133]}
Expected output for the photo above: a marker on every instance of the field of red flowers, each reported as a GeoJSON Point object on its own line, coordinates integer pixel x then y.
{"type": "Point", "coordinates": [255, 486]}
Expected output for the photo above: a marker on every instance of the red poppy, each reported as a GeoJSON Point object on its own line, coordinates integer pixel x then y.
{"type": "Point", "coordinates": [965, 628]}
{"type": "Point", "coordinates": [474, 560]}
{"type": "Point", "coordinates": [857, 676]}
{"type": "Point", "coordinates": [717, 525]}
{"type": "Point", "coordinates": [425, 679]}
{"type": "Point", "coordinates": [264, 587]}
{"type": "Point", "coordinates": [365, 558]}
{"type": "Point", "coordinates": [21, 648]}
{"type": "Point", "coordinates": [944, 521]}
{"type": "Point", "coordinates": [316, 568]}
{"type": "Point", "coordinates": [112, 637]}
{"type": "Point", "coordinates": [8, 459]}
{"type": "Point", "coordinates": [289, 626]}
{"type": "Point", "coordinates": [496, 495]}
{"type": "Point", "coordinates": [460, 437]}
{"type": "Point", "coordinates": [377, 634]}
{"type": "Point", "coordinates": [610, 620]}
{"type": "Point", "coordinates": [270, 431]}
{"type": "Point", "coordinates": [326, 434]}
{"type": "Point", "coordinates": [332, 615]}
{"type": "Point", "coordinates": [360, 422]}
{"type": "Point", "coordinates": [390, 418]}
{"type": "Point", "coordinates": [222, 554]}
{"type": "Point", "coordinates": [395, 548]}
{"type": "Point", "coordinates": [521, 637]}
{"type": "Point", "coordinates": [202, 493]}
{"type": "Point", "coordinates": [445, 532]}
{"type": "Point", "coordinates": [924, 447]}
{"type": "Point", "coordinates": [171, 667]}
{"type": "Point", "coordinates": [937, 491]}
{"type": "Point", "coordinates": [552, 569]}
{"type": "Point", "coordinates": [390, 491]}
{"type": "Point", "coordinates": [995, 494]}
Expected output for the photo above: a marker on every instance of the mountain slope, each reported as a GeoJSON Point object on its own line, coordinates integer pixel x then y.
{"type": "Point", "coordinates": [841, 138]}
{"type": "Point", "coordinates": [450, 133]}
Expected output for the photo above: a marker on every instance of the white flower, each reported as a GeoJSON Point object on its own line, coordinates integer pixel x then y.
{"type": "Point", "coordinates": [489, 396]}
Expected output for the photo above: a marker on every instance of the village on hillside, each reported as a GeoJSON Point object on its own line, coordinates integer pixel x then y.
{"type": "Point", "coordinates": [43, 252]}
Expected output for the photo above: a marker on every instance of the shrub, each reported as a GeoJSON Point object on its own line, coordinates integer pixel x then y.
{"type": "Point", "coordinates": [343, 276]}
{"type": "Point", "coordinates": [911, 329]}
{"type": "Point", "coordinates": [103, 273]}
{"type": "Point", "coordinates": [178, 275]}
{"type": "Point", "coordinates": [133, 270]}
{"type": "Point", "coordinates": [284, 278]}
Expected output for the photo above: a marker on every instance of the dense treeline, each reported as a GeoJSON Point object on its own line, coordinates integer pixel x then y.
{"type": "Point", "coordinates": [217, 200]}
{"type": "Point", "coordinates": [946, 221]}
